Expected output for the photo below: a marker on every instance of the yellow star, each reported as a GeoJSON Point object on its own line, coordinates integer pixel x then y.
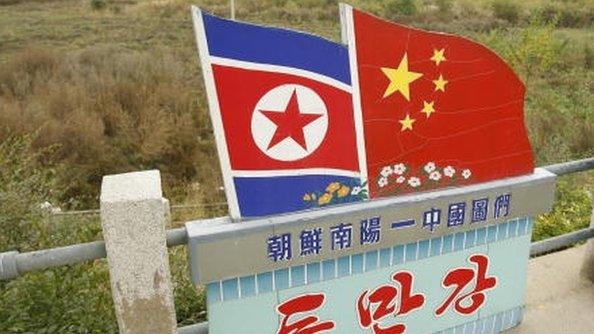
{"type": "Point", "coordinates": [438, 56]}
{"type": "Point", "coordinates": [428, 108]}
{"type": "Point", "coordinates": [440, 83]}
{"type": "Point", "coordinates": [407, 123]}
{"type": "Point", "coordinates": [400, 78]}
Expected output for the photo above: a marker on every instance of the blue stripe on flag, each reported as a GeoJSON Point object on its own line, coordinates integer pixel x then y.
{"type": "Point", "coordinates": [275, 46]}
{"type": "Point", "coordinates": [262, 196]}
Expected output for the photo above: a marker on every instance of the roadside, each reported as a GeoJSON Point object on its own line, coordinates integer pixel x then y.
{"type": "Point", "coordinates": [558, 299]}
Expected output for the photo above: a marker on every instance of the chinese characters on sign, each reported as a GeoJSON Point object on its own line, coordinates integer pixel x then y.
{"type": "Point", "coordinates": [341, 236]}
{"type": "Point", "coordinates": [394, 299]}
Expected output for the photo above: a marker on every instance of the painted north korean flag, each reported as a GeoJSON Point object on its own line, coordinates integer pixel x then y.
{"type": "Point", "coordinates": [437, 110]}
{"type": "Point", "coordinates": [281, 108]}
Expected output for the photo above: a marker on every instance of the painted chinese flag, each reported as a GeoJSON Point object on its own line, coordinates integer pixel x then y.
{"type": "Point", "coordinates": [437, 110]}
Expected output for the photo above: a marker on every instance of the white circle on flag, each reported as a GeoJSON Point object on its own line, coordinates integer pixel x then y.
{"type": "Point", "coordinates": [277, 100]}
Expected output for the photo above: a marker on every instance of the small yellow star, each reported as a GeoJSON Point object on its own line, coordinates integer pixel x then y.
{"type": "Point", "coordinates": [428, 108]}
{"type": "Point", "coordinates": [438, 56]}
{"type": "Point", "coordinates": [440, 83]}
{"type": "Point", "coordinates": [407, 123]}
{"type": "Point", "coordinates": [400, 78]}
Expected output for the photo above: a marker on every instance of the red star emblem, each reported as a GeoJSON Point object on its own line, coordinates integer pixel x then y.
{"type": "Point", "coordinates": [289, 123]}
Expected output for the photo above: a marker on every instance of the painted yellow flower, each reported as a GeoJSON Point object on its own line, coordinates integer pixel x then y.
{"type": "Point", "coordinates": [307, 197]}
{"type": "Point", "coordinates": [343, 191]}
{"type": "Point", "coordinates": [332, 187]}
{"type": "Point", "coordinates": [325, 199]}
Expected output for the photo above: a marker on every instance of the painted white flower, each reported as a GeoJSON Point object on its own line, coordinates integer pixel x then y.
{"type": "Point", "coordinates": [429, 167]}
{"type": "Point", "coordinates": [449, 171]}
{"type": "Point", "coordinates": [435, 176]}
{"type": "Point", "coordinates": [400, 179]}
{"type": "Point", "coordinates": [382, 182]}
{"type": "Point", "coordinates": [399, 169]}
{"type": "Point", "coordinates": [466, 173]}
{"type": "Point", "coordinates": [386, 171]}
{"type": "Point", "coordinates": [414, 182]}
{"type": "Point", "coordinates": [356, 190]}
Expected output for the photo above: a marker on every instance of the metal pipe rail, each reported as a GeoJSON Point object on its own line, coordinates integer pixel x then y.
{"type": "Point", "coordinates": [570, 167]}
{"type": "Point", "coordinates": [14, 264]}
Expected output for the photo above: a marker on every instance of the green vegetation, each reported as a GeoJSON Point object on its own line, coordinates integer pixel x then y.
{"type": "Point", "coordinates": [94, 87]}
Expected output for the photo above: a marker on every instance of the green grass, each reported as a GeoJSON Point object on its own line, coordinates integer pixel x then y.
{"type": "Point", "coordinates": [69, 114]}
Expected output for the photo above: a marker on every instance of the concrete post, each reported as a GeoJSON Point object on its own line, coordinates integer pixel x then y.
{"type": "Point", "coordinates": [588, 266]}
{"type": "Point", "coordinates": [133, 216]}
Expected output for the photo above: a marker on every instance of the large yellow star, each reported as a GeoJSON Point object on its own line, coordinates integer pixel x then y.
{"type": "Point", "coordinates": [400, 78]}
{"type": "Point", "coordinates": [428, 108]}
{"type": "Point", "coordinates": [407, 123]}
{"type": "Point", "coordinates": [440, 83]}
{"type": "Point", "coordinates": [438, 56]}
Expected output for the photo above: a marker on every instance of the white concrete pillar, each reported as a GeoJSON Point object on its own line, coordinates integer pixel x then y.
{"type": "Point", "coordinates": [588, 267]}
{"type": "Point", "coordinates": [133, 216]}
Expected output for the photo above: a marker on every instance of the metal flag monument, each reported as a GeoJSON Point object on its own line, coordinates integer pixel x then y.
{"type": "Point", "coordinates": [382, 186]}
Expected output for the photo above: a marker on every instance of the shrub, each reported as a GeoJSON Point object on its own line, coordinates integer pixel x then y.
{"type": "Point", "coordinates": [506, 10]}
{"type": "Point", "coordinates": [395, 8]}
{"type": "Point", "coordinates": [568, 14]}
{"type": "Point", "coordinates": [25, 183]}
{"type": "Point", "coordinates": [111, 111]}
{"type": "Point", "coordinates": [444, 6]}
{"type": "Point", "coordinates": [531, 50]}
{"type": "Point", "coordinates": [588, 57]}
{"type": "Point", "coordinates": [571, 212]}
{"type": "Point", "coordinates": [98, 4]}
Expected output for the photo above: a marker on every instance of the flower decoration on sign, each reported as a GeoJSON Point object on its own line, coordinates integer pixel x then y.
{"type": "Point", "coordinates": [402, 178]}
{"type": "Point", "coordinates": [399, 169]}
{"type": "Point", "coordinates": [337, 192]}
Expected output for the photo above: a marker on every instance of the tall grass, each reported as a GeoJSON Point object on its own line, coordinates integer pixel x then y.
{"type": "Point", "coordinates": [111, 110]}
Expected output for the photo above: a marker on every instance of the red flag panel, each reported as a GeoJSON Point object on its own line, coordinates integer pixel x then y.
{"type": "Point", "coordinates": [438, 110]}
{"type": "Point", "coordinates": [238, 100]}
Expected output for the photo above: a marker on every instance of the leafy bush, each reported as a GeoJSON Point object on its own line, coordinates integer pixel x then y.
{"type": "Point", "coordinates": [588, 57]}
{"type": "Point", "coordinates": [568, 14]}
{"type": "Point", "coordinates": [531, 50]}
{"type": "Point", "coordinates": [98, 4]}
{"type": "Point", "coordinates": [506, 10]}
{"type": "Point", "coordinates": [444, 6]}
{"type": "Point", "coordinates": [395, 8]}
{"type": "Point", "coordinates": [111, 111]}
{"type": "Point", "coordinates": [25, 183]}
{"type": "Point", "coordinates": [571, 212]}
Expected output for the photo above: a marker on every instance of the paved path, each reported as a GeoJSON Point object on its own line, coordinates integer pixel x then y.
{"type": "Point", "coordinates": [559, 301]}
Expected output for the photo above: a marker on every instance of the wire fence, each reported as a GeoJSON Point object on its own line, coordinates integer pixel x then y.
{"type": "Point", "coordinates": [559, 169]}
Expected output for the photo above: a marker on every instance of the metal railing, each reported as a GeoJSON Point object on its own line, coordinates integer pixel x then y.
{"type": "Point", "coordinates": [14, 264]}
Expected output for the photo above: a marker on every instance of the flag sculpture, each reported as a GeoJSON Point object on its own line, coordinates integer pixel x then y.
{"type": "Point", "coordinates": [302, 122]}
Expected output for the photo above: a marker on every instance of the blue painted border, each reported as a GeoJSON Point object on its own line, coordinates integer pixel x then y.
{"type": "Point", "coordinates": [281, 279]}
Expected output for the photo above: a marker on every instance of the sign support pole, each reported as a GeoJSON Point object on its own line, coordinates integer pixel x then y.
{"type": "Point", "coordinates": [232, 9]}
